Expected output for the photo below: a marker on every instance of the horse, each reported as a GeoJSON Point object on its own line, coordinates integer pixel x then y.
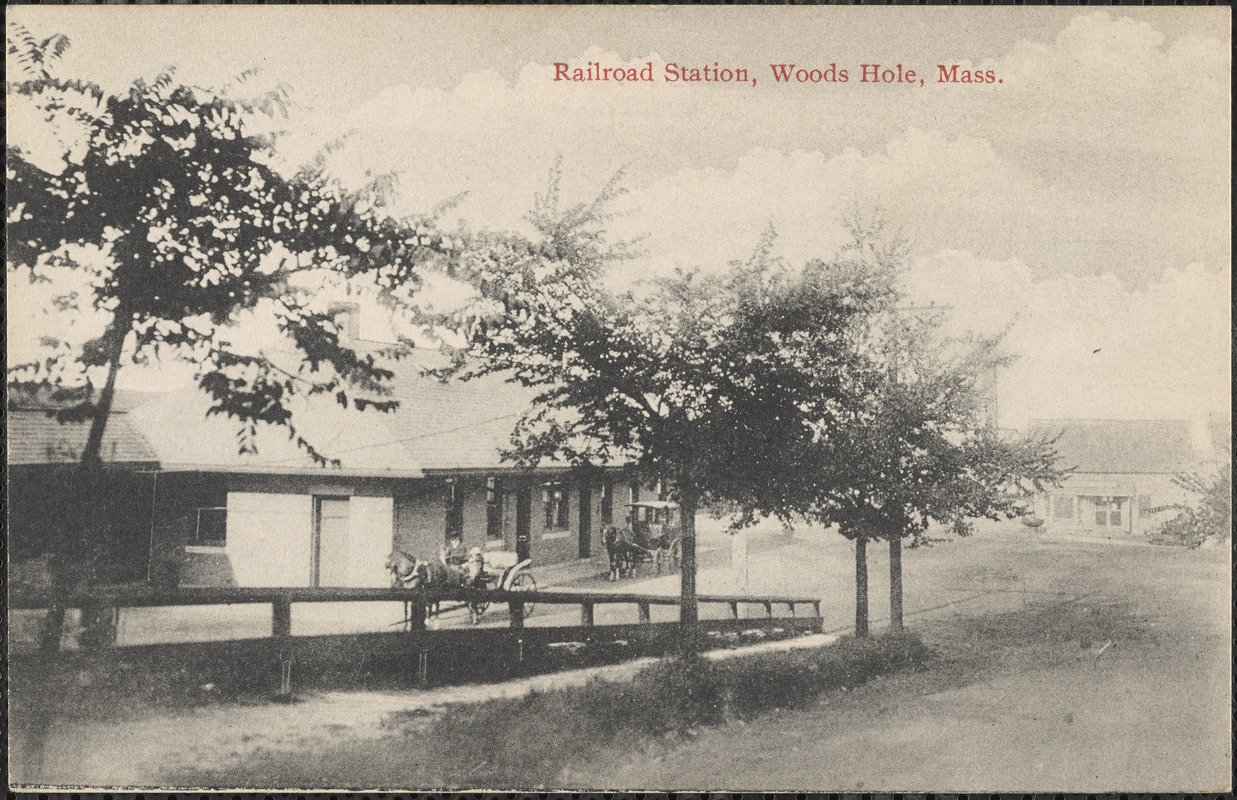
{"type": "Point", "coordinates": [410, 572]}
{"type": "Point", "coordinates": [619, 548]}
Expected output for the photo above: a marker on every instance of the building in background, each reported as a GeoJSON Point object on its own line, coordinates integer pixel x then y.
{"type": "Point", "coordinates": [1121, 475]}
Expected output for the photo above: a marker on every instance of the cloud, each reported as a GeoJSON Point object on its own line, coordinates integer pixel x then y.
{"type": "Point", "coordinates": [1077, 194]}
{"type": "Point", "coordinates": [940, 192]}
{"type": "Point", "coordinates": [1106, 145]}
{"type": "Point", "coordinates": [1086, 345]}
{"type": "Point", "coordinates": [497, 140]}
{"type": "Point", "coordinates": [1076, 200]}
{"type": "Point", "coordinates": [1090, 346]}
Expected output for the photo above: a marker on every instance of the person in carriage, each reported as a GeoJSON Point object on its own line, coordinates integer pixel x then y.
{"type": "Point", "coordinates": [454, 567]}
{"type": "Point", "coordinates": [452, 554]}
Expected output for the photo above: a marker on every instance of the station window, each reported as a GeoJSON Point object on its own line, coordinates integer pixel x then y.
{"type": "Point", "coordinates": [556, 498]}
{"type": "Point", "coordinates": [455, 510]}
{"type": "Point", "coordinates": [607, 502]}
{"type": "Point", "coordinates": [493, 510]}
{"type": "Point", "coordinates": [210, 526]}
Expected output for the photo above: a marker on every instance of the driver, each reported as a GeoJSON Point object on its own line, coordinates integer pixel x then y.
{"type": "Point", "coordinates": [453, 554]}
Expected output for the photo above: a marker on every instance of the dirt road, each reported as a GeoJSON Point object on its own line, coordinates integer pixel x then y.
{"type": "Point", "coordinates": [1118, 683]}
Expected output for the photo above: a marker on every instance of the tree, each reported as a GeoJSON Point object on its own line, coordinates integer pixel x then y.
{"type": "Point", "coordinates": [167, 200]}
{"type": "Point", "coordinates": [722, 386]}
{"type": "Point", "coordinates": [1211, 517]}
{"type": "Point", "coordinates": [919, 449]}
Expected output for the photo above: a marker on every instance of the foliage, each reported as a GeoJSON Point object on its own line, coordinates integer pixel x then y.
{"type": "Point", "coordinates": [35, 57]}
{"type": "Point", "coordinates": [529, 740]}
{"type": "Point", "coordinates": [717, 384]}
{"type": "Point", "coordinates": [1210, 518]}
{"type": "Point", "coordinates": [918, 447]}
{"type": "Point", "coordinates": [166, 200]}
{"type": "Point", "coordinates": [773, 390]}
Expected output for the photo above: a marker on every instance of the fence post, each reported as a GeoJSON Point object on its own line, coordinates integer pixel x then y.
{"type": "Point", "coordinates": [99, 624]}
{"type": "Point", "coordinates": [516, 608]}
{"type": "Point", "coordinates": [423, 661]}
{"type": "Point", "coordinates": [791, 606]}
{"type": "Point", "coordinates": [586, 614]}
{"type": "Point", "coordinates": [281, 631]}
{"type": "Point", "coordinates": [643, 607]}
{"type": "Point", "coordinates": [414, 615]}
{"type": "Point", "coordinates": [734, 609]}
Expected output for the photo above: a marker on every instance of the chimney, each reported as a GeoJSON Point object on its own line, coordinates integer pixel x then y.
{"type": "Point", "coordinates": [348, 317]}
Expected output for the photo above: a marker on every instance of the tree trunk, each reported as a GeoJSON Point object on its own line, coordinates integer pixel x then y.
{"type": "Point", "coordinates": [69, 563]}
{"type": "Point", "coordinates": [895, 581]}
{"type": "Point", "coordinates": [861, 585]}
{"type": "Point", "coordinates": [92, 454]}
{"type": "Point", "coordinates": [689, 618]}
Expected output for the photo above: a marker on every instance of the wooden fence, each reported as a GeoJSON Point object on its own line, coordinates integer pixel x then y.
{"type": "Point", "coordinates": [415, 641]}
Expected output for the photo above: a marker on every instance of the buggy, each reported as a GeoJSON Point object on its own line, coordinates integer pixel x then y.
{"type": "Point", "coordinates": [409, 572]}
{"type": "Point", "coordinates": [653, 536]}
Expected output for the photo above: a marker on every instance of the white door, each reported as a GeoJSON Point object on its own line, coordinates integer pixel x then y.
{"type": "Point", "coordinates": [331, 546]}
{"type": "Point", "coordinates": [371, 535]}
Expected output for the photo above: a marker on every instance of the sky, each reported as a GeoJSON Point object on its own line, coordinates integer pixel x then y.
{"type": "Point", "coordinates": [1082, 202]}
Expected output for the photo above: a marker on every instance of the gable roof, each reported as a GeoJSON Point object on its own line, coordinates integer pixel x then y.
{"type": "Point", "coordinates": [36, 438]}
{"type": "Point", "coordinates": [456, 425]}
{"type": "Point", "coordinates": [1120, 446]}
{"type": "Point", "coordinates": [185, 438]}
{"type": "Point", "coordinates": [459, 425]}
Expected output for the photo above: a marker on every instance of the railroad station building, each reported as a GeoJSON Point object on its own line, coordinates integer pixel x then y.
{"type": "Point", "coordinates": [186, 507]}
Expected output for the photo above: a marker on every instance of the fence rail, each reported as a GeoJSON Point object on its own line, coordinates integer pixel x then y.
{"type": "Point", "coordinates": [416, 602]}
{"type": "Point", "coordinates": [218, 596]}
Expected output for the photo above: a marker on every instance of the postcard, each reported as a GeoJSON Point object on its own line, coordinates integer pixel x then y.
{"type": "Point", "coordinates": [815, 399]}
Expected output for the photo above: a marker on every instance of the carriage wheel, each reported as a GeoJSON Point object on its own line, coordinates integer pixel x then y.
{"type": "Point", "coordinates": [676, 555]}
{"type": "Point", "coordinates": [525, 583]}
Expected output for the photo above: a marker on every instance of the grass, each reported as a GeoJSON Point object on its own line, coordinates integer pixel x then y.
{"type": "Point", "coordinates": [526, 742]}
{"type": "Point", "coordinates": [131, 682]}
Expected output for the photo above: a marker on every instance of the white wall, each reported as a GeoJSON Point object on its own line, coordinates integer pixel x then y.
{"type": "Point", "coordinates": [371, 537]}
{"type": "Point", "coordinates": [269, 538]}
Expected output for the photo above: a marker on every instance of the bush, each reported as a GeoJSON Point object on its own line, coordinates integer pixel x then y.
{"type": "Point", "coordinates": [527, 741]}
{"type": "Point", "coordinates": [1211, 518]}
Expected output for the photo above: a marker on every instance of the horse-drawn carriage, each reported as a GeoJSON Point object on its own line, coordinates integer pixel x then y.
{"type": "Point", "coordinates": [410, 572]}
{"type": "Point", "coordinates": [653, 536]}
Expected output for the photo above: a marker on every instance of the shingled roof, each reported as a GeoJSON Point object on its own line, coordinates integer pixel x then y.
{"type": "Point", "coordinates": [36, 438]}
{"type": "Point", "coordinates": [1120, 446]}
{"type": "Point", "coordinates": [456, 425]}
{"type": "Point", "coordinates": [459, 425]}
{"type": "Point", "coordinates": [185, 438]}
